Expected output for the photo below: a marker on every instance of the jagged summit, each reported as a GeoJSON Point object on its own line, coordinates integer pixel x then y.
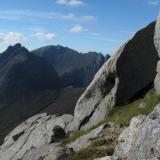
{"type": "Point", "coordinates": [14, 48]}
{"type": "Point", "coordinates": [74, 68]}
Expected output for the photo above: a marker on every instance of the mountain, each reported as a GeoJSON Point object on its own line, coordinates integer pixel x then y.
{"type": "Point", "coordinates": [104, 122]}
{"type": "Point", "coordinates": [30, 84]}
{"type": "Point", "coordinates": [74, 68]}
{"type": "Point", "coordinates": [27, 85]}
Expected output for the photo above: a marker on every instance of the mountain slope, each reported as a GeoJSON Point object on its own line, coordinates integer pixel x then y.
{"type": "Point", "coordinates": [27, 84]}
{"type": "Point", "coordinates": [74, 68]}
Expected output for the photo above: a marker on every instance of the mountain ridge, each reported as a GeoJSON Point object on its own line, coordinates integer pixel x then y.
{"type": "Point", "coordinates": [73, 67]}
{"type": "Point", "coordinates": [29, 84]}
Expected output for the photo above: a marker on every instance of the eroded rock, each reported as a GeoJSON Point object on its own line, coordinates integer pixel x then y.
{"type": "Point", "coordinates": [48, 152]}
{"type": "Point", "coordinates": [108, 132]}
{"type": "Point", "coordinates": [34, 133]}
{"type": "Point", "coordinates": [141, 140]}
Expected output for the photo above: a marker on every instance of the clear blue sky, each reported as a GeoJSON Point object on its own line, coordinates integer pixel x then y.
{"type": "Point", "coordinates": [84, 25]}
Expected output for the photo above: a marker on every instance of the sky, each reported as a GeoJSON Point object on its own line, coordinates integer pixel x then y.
{"type": "Point", "coordinates": [84, 25]}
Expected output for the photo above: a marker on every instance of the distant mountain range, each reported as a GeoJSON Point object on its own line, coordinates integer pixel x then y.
{"type": "Point", "coordinates": [73, 68]}
{"type": "Point", "coordinates": [36, 81]}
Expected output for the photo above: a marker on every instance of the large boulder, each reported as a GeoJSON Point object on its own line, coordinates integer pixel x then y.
{"type": "Point", "coordinates": [141, 140]}
{"type": "Point", "coordinates": [38, 131]}
{"type": "Point", "coordinates": [124, 77]}
{"type": "Point", "coordinates": [157, 44]}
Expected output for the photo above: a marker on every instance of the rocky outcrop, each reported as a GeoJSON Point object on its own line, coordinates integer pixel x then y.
{"type": "Point", "coordinates": [123, 78]}
{"type": "Point", "coordinates": [33, 135]}
{"type": "Point", "coordinates": [48, 152]}
{"type": "Point", "coordinates": [106, 158]}
{"type": "Point", "coordinates": [141, 140]}
{"type": "Point", "coordinates": [107, 132]}
{"type": "Point", "coordinates": [157, 44]}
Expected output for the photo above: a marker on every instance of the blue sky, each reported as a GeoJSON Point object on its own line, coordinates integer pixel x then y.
{"type": "Point", "coordinates": [84, 25]}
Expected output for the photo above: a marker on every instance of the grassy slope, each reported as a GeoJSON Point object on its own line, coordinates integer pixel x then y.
{"type": "Point", "coordinates": [123, 114]}
{"type": "Point", "coordinates": [120, 115]}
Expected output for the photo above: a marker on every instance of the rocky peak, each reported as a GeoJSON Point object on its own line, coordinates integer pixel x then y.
{"type": "Point", "coordinates": [14, 51]}
{"type": "Point", "coordinates": [74, 68]}
{"type": "Point", "coordinates": [14, 48]}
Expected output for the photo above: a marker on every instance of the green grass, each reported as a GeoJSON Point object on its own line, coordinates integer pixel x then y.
{"type": "Point", "coordinates": [73, 137]}
{"type": "Point", "coordinates": [119, 115]}
{"type": "Point", "coordinates": [91, 152]}
{"type": "Point", "coordinates": [100, 142]}
{"type": "Point", "coordinates": [122, 114]}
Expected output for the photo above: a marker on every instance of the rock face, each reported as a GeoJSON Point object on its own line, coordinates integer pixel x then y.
{"type": "Point", "coordinates": [141, 140]}
{"type": "Point", "coordinates": [106, 132]}
{"type": "Point", "coordinates": [48, 152]}
{"type": "Point", "coordinates": [73, 68]}
{"type": "Point", "coordinates": [33, 135]}
{"type": "Point", "coordinates": [157, 44]}
{"type": "Point", "coordinates": [124, 77]}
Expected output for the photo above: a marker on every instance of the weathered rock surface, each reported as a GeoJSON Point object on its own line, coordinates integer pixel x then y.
{"type": "Point", "coordinates": [124, 77]}
{"type": "Point", "coordinates": [106, 158]}
{"type": "Point", "coordinates": [34, 133]}
{"type": "Point", "coordinates": [48, 152]}
{"type": "Point", "coordinates": [107, 131]}
{"type": "Point", "coordinates": [141, 140]}
{"type": "Point", "coordinates": [157, 44]}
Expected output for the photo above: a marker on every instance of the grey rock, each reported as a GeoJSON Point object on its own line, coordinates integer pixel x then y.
{"type": "Point", "coordinates": [48, 152]}
{"type": "Point", "coordinates": [157, 35]}
{"type": "Point", "coordinates": [107, 158]}
{"type": "Point", "coordinates": [142, 105]}
{"type": "Point", "coordinates": [125, 75]}
{"type": "Point", "coordinates": [40, 153]}
{"type": "Point", "coordinates": [59, 153]}
{"type": "Point", "coordinates": [141, 140]}
{"type": "Point", "coordinates": [34, 133]}
{"type": "Point", "coordinates": [157, 44]}
{"type": "Point", "coordinates": [106, 131]}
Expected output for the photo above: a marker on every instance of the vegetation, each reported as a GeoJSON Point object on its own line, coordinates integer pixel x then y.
{"type": "Point", "coordinates": [73, 137]}
{"type": "Point", "coordinates": [91, 153]}
{"type": "Point", "coordinates": [119, 115]}
{"type": "Point", "coordinates": [100, 142]}
{"type": "Point", "coordinates": [123, 114]}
